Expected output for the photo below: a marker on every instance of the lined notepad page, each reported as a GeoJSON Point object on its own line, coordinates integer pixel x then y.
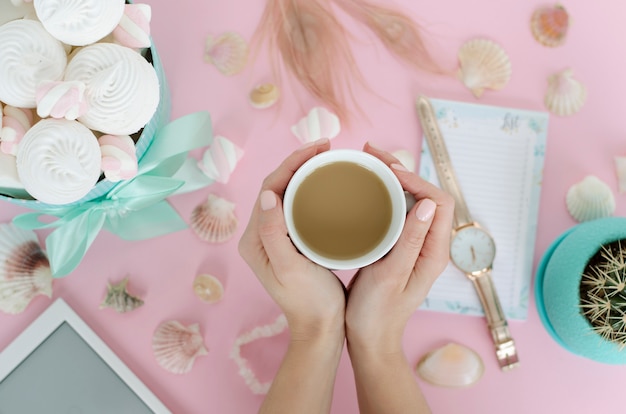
{"type": "Point", "coordinates": [497, 154]}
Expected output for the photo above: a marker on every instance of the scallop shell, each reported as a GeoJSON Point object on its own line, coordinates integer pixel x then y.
{"type": "Point", "coordinates": [549, 25]}
{"type": "Point", "coordinates": [590, 199]}
{"type": "Point", "coordinates": [264, 96]}
{"type": "Point", "coordinates": [483, 65]}
{"type": "Point", "coordinates": [406, 158]}
{"type": "Point", "coordinates": [208, 288]}
{"type": "Point", "coordinates": [24, 269]}
{"type": "Point", "coordinates": [319, 123]}
{"type": "Point", "coordinates": [565, 95]}
{"type": "Point", "coordinates": [119, 299]}
{"type": "Point", "coordinates": [214, 220]}
{"type": "Point", "coordinates": [176, 346]}
{"type": "Point", "coordinates": [452, 365]}
{"type": "Point", "coordinates": [620, 170]}
{"type": "Point", "coordinates": [227, 52]}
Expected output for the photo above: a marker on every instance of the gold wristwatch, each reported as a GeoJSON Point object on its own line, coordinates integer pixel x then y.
{"type": "Point", "coordinates": [472, 249]}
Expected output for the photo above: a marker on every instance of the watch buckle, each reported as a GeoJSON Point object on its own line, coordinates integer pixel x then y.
{"type": "Point", "coordinates": [507, 355]}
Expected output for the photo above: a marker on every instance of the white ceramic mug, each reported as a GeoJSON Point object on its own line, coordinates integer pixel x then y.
{"type": "Point", "coordinates": [373, 164]}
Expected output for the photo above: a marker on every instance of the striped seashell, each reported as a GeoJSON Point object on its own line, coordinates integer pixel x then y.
{"type": "Point", "coordinates": [214, 220]}
{"type": "Point", "coordinates": [177, 346]}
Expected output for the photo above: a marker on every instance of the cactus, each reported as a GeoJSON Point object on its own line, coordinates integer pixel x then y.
{"type": "Point", "coordinates": [603, 292]}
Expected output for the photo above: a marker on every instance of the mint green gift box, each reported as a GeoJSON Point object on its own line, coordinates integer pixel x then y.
{"type": "Point", "coordinates": [134, 209]}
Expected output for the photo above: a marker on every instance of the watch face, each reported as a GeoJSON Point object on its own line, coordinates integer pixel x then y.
{"type": "Point", "coordinates": [472, 249]}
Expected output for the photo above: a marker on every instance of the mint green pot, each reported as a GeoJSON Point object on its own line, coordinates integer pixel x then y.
{"type": "Point", "coordinates": [557, 289]}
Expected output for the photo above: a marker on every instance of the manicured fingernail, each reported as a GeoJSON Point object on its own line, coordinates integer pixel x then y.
{"type": "Point", "coordinates": [374, 146]}
{"type": "Point", "coordinates": [313, 144]}
{"type": "Point", "coordinates": [399, 167]}
{"type": "Point", "coordinates": [425, 210]}
{"type": "Point", "coordinates": [268, 200]}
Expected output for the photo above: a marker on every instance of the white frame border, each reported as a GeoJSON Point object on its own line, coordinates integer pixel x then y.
{"type": "Point", "coordinates": [42, 327]}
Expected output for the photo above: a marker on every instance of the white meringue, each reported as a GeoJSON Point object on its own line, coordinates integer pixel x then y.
{"type": "Point", "coordinates": [28, 55]}
{"type": "Point", "coordinates": [122, 88]}
{"type": "Point", "coordinates": [79, 22]}
{"type": "Point", "coordinates": [58, 161]}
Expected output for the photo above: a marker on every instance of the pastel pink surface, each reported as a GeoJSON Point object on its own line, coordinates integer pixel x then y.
{"type": "Point", "coordinates": [162, 270]}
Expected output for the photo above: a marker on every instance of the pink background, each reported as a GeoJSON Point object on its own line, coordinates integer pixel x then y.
{"type": "Point", "coordinates": [162, 270]}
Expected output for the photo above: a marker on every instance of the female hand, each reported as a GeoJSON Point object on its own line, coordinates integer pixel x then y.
{"type": "Point", "coordinates": [383, 295]}
{"type": "Point", "coordinates": [311, 296]}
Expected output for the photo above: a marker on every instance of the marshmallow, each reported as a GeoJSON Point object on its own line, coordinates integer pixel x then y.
{"type": "Point", "coordinates": [134, 28]}
{"type": "Point", "coordinates": [8, 173]}
{"type": "Point", "coordinates": [220, 159]}
{"type": "Point", "coordinates": [58, 161]}
{"type": "Point", "coordinates": [119, 160]}
{"type": "Point", "coordinates": [28, 55]}
{"type": "Point", "coordinates": [79, 22]}
{"type": "Point", "coordinates": [122, 88]}
{"type": "Point", "coordinates": [15, 123]}
{"type": "Point", "coordinates": [61, 100]}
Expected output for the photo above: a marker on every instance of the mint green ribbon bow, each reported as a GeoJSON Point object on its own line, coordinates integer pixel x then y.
{"type": "Point", "coordinates": [134, 209]}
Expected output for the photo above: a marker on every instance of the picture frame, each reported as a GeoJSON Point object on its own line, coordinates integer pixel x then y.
{"type": "Point", "coordinates": [58, 364]}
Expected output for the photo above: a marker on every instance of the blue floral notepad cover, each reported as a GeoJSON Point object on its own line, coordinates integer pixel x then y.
{"type": "Point", "coordinates": [498, 155]}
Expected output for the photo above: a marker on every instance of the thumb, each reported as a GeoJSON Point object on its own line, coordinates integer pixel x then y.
{"type": "Point", "coordinates": [273, 231]}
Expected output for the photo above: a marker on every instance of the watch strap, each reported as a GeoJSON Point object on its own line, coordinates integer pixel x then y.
{"type": "Point", "coordinates": [496, 321]}
{"type": "Point", "coordinates": [441, 160]}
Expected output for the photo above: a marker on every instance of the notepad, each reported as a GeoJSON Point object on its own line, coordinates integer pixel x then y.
{"type": "Point", "coordinates": [498, 156]}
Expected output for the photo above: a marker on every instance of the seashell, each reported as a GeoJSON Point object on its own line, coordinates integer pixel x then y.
{"type": "Point", "coordinates": [549, 25]}
{"type": "Point", "coordinates": [620, 169]}
{"type": "Point", "coordinates": [214, 220]}
{"type": "Point", "coordinates": [220, 159]}
{"type": "Point", "coordinates": [406, 158]}
{"type": "Point", "coordinates": [15, 123]}
{"type": "Point", "coordinates": [565, 95]}
{"type": "Point", "coordinates": [259, 332]}
{"type": "Point", "coordinates": [60, 99]}
{"type": "Point", "coordinates": [79, 22]}
{"type": "Point", "coordinates": [134, 28]}
{"type": "Point", "coordinates": [228, 52]}
{"type": "Point", "coordinates": [176, 346]}
{"type": "Point", "coordinates": [119, 158]}
{"type": "Point", "coordinates": [58, 161]}
{"type": "Point", "coordinates": [452, 365]}
{"type": "Point", "coordinates": [264, 96]}
{"type": "Point", "coordinates": [208, 288]}
{"type": "Point", "coordinates": [483, 65]}
{"type": "Point", "coordinates": [119, 299]}
{"type": "Point", "coordinates": [122, 88]}
{"type": "Point", "coordinates": [590, 199]}
{"type": "Point", "coordinates": [319, 123]}
{"type": "Point", "coordinates": [28, 56]}
{"type": "Point", "coordinates": [24, 269]}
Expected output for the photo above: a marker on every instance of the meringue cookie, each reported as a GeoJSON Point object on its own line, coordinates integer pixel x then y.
{"type": "Point", "coordinates": [61, 100]}
{"type": "Point", "coordinates": [79, 22]}
{"type": "Point", "coordinates": [28, 55]}
{"type": "Point", "coordinates": [119, 161]}
{"type": "Point", "coordinates": [220, 160]}
{"type": "Point", "coordinates": [134, 28]}
{"type": "Point", "coordinates": [15, 123]}
{"type": "Point", "coordinates": [122, 88]}
{"type": "Point", "coordinates": [58, 161]}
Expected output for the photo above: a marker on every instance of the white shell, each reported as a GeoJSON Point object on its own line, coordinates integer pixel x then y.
{"type": "Point", "coordinates": [220, 159]}
{"type": "Point", "coordinates": [79, 22]}
{"type": "Point", "coordinates": [24, 269]}
{"type": "Point", "coordinates": [565, 95]}
{"type": "Point", "coordinates": [176, 346]}
{"type": "Point", "coordinates": [264, 96]}
{"type": "Point", "coordinates": [208, 288]}
{"type": "Point", "coordinates": [28, 56]}
{"type": "Point", "coordinates": [620, 170]}
{"type": "Point", "coordinates": [406, 158]}
{"type": "Point", "coordinates": [590, 199]}
{"type": "Point", "coordinates": [122, 88]}
{"type": "Point", "coordinates": [452, 365]}
{"type": "Point", "coordinates": [58, 161]}
{"type": "Point", "coordinates": [227, 52]}
{"type": "Point", "coordinates": [319, 123]}
{"type": "Point", "coordinates": [483, 65]}
{"type": "Point", "coordinates": [214, 220]}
